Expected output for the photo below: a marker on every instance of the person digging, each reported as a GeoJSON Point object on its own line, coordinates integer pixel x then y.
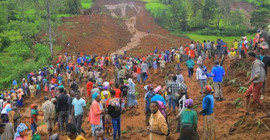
{"type": "Point", "coordinates": [257, 78]}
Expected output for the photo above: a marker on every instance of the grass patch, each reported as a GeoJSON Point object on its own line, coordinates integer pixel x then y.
{"type": "Point", "coordinates": [86, 4]}
{"type": "Point", "coordinates": [150, 0]}
{"type": "Point", "coordinates": [64, 15]}
{"type": "Point", "coordinates": [228, 39]}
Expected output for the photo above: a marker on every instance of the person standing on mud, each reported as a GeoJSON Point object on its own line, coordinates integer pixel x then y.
{"type": "Point", "coordinates": [207, 112]}
{"type": "Point", "coordinates": [63, 109]}
{"type": "Point", "coordinates": [144, 69]}
{"type": "Point", "coordinates": [217, 73]}
{"type": "Point", "coordinates": [190, 64]}
{"type": "Point", "coordinates": [173, 88]}
{"type": "Point", "coordinates": [201, 75]}
{"type": "Point", "coordinates": [158, 127]}
{"type": "Point", "coordinates": [266, 60]}
{"type": "Point", "coordinates": [48, 109]}
{"type": "Point", "coordinates": [148, 98]}
{"type": "Point", "coordinates": [78, 110]}
{"type": "Point", "coordinates": [189, 119]}
{"type": "Point", "coordinates": [257, 78]}
{"type": "Point", "coordinates": [114, 110]}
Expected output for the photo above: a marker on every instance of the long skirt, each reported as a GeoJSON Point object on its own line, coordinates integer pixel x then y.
{"type": "Point", "coordinates": [188, 133]}
{"type": "Point", "coordinates": [209, 127]}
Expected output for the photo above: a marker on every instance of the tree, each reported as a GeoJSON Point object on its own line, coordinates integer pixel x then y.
{"type": "Point", "coordinates": [259, 18]}
{"type": "Point", "coordinates": [209, 10]}
{"type": "Point", "coordinates": [74, 6]}
{"type": "Point", "coordinates": [49, 24]}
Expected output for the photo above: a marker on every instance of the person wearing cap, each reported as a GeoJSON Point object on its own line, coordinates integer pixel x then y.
{"type": "Point", "coordinates": [266, 60]}
{"type": "Point", "coordinates": [188, 122]}
{"type": "Point", "coordinates": [257, 77]}
{"type": "Point", "coordinates": [201, 75]}
{"type": "Point", "coordinates": [150, 93]}
{"type": "Point", "coordinates": [207, 112]}
{"type": "Point", "coordinates": [217, 73]}
{"type": "Point", "coordinates": [49, 112]}
{"type": "Point", "coordinates": [96, 110]}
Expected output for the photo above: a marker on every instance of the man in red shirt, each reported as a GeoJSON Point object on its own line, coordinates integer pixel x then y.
{"type": "Point", "coordinates": [89, 86]}
{"type": "Point", "coordinates": [117, 91]}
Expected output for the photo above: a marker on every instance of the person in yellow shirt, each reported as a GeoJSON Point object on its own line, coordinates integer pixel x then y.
{"type": "Point", "coordinates": [235, 44]}
{"type": "Point", "coordinates": [232, 54]}
{"type": "Point", "coordinates": [72, 133]}
{"type": "Point", "coordinates": [158, 127]}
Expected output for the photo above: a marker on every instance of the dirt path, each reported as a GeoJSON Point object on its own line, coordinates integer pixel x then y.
{"type": "Point", "coordinates": [130, 23]}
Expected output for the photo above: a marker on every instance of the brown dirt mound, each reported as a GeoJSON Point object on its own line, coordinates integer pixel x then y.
{"type": "Point", "coordinates": [99, 34]}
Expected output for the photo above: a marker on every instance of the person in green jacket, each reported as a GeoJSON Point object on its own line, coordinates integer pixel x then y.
{"type": "Point", "coordinates": [189, 119]}
{"type": "Point", "coordinates": [190, 64]}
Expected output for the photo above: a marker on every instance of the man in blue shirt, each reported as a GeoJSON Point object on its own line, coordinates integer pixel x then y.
{"type": "Point", "coordinates": [208, 110]}
{"type": "Point", "coordinates": [78, 110]}
{"type": "Point", "coordinates": [217, 73]}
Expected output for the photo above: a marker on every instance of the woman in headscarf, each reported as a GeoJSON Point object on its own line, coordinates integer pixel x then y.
{"type": "Point", "coordinates": [132, 101]}
{"type": "Point", "coordinates": [95, 113]}
{"type": "Point", "coordinates": [189, 119]}
{"type": "Point", "coordinates": [21, 132]}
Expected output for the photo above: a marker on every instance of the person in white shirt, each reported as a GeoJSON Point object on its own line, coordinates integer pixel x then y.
{"type": "Point", "coordinates": [201, 75]}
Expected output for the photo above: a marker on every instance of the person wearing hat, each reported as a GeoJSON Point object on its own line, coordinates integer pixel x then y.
{"type": "Point", "coordinates": [207, 112]}
{"type": "Point", "coordinates": [49, 112]}
{"type": "Point", "coordinates": [188, 122]}
{"type": "Point", "coordinates": [266, 60]}
{"type": "Point", "coordinates": [217, 73]}
{"type": "Point", "coordinates": [150, 93]}
{"type": "Point", "coordinates": [257, 77]}
{"type": "Point", "coordinates": [95, 113]}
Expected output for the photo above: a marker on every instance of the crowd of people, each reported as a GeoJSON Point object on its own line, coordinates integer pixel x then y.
{"type": "Point", "coordinates": [78, 84]}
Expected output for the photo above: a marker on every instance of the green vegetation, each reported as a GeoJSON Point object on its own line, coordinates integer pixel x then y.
{"type": "Point", "coordinates": [208, 17]}
{"type": "Point", "coordinates": [22, 50]}
{"type": "Point", "coordinates": [228, 39]}
{"type": "Point", "coordinates": [86, 4]}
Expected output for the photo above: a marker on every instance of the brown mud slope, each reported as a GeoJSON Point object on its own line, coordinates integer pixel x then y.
{"type": "Point", "coordinates": [101, 33]}
{"type": "Point", "coordinates": [112, 27]}
{"type": "Point", "coordinates": [97, 33]}
{"type": "Point", "coordinates": [245, 7]}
